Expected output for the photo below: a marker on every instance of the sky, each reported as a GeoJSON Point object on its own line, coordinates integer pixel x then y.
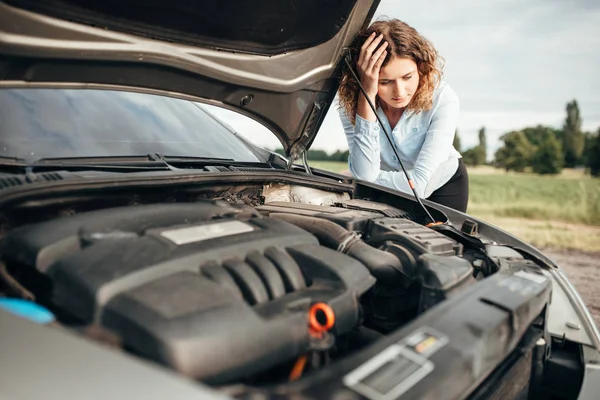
{"type": "Point", "coordinates": [512, 64]}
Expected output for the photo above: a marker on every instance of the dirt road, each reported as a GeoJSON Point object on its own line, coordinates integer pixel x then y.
{"type": "Point", "coordinates": [583, 269]}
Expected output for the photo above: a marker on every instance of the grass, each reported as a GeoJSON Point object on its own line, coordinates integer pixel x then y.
{"type": "Point", "coordinates": [547, 211]}
{"type": "Point", "coordinates": [561, 212]}
{"type": "Point", "coordinates": [550, 234]}
{"type": "Point", "coordinates": [333, 166]}
{"type": "Point", "coordinates": [570, 197]}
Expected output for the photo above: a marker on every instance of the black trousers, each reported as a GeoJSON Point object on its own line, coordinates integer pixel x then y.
{"type": "Point", "coordinates": [455, 192]}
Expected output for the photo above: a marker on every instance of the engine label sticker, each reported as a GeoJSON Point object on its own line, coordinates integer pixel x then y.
{"type": "Point", "coordinates": [425, 341]}
{"type": "Point", "coordinates": [398, 368]}
{"type": "Point", "coordinates": [389, 374]}
{"type": "Point", "coordinates": [204, 232]}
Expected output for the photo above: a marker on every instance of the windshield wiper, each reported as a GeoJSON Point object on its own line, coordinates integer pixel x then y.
{"type": "Point", "coordinates": [150, 162]}
{"type": "Point", "coordinates": [115, 164]}
{"type": "Point", "coordinates": [186, 162]}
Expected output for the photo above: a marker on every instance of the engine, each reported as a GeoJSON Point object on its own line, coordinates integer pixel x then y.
{"type": "Point", "coordinates": [223, 292]}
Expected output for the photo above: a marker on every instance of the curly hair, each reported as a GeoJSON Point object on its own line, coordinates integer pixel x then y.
{"type": "Point", "coordinates": [403, 41]}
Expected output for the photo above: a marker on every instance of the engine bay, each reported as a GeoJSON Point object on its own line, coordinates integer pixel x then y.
{"type": "Point", "coordinates": [260, 287]}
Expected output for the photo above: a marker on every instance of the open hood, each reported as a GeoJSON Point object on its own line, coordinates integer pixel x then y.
{"type": "Point", "coordinates": [277, 61]}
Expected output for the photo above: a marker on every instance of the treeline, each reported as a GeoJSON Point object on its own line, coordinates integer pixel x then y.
{"type": "Point", "coordinates": [322, 155]}
{"type": "Point", "coordinates": [542, 149]}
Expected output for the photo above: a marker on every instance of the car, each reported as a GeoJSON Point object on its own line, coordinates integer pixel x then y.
{"type": "Point", "coordinates": [151, 250]}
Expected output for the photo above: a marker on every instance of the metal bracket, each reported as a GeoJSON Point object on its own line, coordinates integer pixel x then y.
{"type": "Point", "coordinates": [470, 227]}
{"type": "Point", "coordinates": [299, 152]}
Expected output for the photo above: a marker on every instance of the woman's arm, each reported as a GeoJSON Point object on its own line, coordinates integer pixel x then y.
{"type": "Point", "coordinates": [363, 136]}
{"type": "Point", "coordinates": [370, 60]}
{"type": "Point", "coordinates": [364, 148]}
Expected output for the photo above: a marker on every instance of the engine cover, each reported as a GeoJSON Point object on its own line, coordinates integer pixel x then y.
{"type": "Point", "coordinates": [212, 290]}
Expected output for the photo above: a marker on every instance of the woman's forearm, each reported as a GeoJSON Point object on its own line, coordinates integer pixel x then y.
{"type": "Point", "coordinates": [363, 108]}
{"type": "Point", "coordinates": [363, 145]}
{"type": "Point", "coordinates": [365, 150]}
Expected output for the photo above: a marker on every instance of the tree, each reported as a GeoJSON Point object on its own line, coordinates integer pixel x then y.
{"type": "Point", "coordinates": [517, 152]}
{"type": "Point", "coordinates": [474, 156]}
{"type": "Point", "coordinates": [593, 154]}
{"type": "Point", "coordinates": [339, 155]}
{"type": "Point", "coordinates": [537, 134]}
{"type": "Point", "coordinates": [589, 136]}
{"type": "Point", "coordinates": [456, 142]}
{"type": "Point", "coordinates": [482, 153]}
{"type": "Point", "coordinates": [573, 138]}
{"type": "Point", "coordinates": [317, 155]}
{"type": "Point", "coordinates": [549, 156]}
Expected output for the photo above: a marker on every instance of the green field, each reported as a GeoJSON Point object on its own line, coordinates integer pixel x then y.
{"type": "Point", "coordinates": [549, 211]}
{"type": "Point", "coordinates": [570, 197]}
{"type": "Point", "coordinates": [334, 166]}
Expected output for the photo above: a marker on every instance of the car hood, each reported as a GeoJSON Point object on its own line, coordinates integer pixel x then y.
{"type": "Point", "coordinates": [277, 61]}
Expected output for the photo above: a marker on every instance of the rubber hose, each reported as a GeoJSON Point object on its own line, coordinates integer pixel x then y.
{"type": "Point", "coordinates": [329, 233]}
{"type": "Point", "coordinates": [383, 265]}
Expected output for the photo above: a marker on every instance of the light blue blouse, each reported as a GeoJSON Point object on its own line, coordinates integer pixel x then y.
{"type": "Point", "coordinates": [423, 140]}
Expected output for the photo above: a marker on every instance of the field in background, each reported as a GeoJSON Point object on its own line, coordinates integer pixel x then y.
{"type": "Point", "coordinates": [569, 197]}
{"type": "Point", "coordinates": [333, 166]}
{"type": "Point", "coordinates": [561, 212]}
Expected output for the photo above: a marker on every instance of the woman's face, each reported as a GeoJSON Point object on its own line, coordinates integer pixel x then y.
{"type": "Point", "coordinates": [398, 82]}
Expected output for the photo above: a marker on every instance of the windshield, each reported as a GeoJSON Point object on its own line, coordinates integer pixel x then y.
{"type": "Point", "coordinates": [60, 123]}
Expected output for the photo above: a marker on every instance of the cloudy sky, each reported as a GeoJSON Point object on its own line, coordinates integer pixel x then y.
{"type": "Point", "coordinates": [512, 63]}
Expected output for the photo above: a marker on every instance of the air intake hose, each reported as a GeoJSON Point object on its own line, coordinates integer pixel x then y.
{"type": "Point", "coordinates": [384, 266]}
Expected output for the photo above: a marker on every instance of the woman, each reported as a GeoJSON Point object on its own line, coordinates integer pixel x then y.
{"type": "Point", "coordinates": [401, 73]}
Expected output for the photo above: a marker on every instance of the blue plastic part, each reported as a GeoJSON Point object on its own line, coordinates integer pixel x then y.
{"type": "Point", "coordinates": [27, 309]}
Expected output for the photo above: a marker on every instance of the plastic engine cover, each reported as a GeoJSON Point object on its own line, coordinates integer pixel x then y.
{"type": "Point", "coordinates": [214, 291]}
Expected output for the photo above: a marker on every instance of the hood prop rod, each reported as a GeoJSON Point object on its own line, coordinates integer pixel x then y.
{"type": "Point", "coordinates": [348, 60]}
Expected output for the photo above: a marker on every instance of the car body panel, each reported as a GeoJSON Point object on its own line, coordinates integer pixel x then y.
{"type": "Point", "coordinates": [49, 362]}
{"type": "Point", "coordinates": [288, 92]}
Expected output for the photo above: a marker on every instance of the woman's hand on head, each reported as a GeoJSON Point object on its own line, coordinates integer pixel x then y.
{"type": "Point", "coordinates": [369, 63]}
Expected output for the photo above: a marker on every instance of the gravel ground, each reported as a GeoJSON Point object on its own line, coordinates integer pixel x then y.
{"type": "Point", "coordinates": [583, 269]}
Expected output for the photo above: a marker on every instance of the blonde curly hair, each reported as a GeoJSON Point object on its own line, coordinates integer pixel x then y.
{"type": "Point", "coordinates": [403, 41]}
